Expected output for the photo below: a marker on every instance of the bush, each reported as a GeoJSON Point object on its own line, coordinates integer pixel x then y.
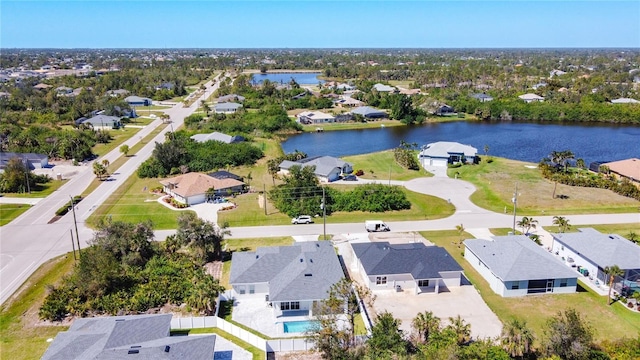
{"type": "Point", "coordinates": [455, 165]}
{"type": "Point", "coordinates": [66, 207]}
{"type": "Point", "coordinates": [371, 198]}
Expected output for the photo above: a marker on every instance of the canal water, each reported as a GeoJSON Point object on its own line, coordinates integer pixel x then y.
{"type": "Point", "coordinates": [285, 78]}
{"type": "Point", "coordinates": [523, 141]}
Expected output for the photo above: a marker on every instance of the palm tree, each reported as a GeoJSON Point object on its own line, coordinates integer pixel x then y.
{"type": "Point", "coordinates": [580, 163]}
{"type": "Point", "coordinates": [205, 107]}
{"type": "Point", "coordinates": [562, 223]}
{"type": "Point", "coordinates": [460, 229]}
{"type": "Point", "coordinates": [527, 223]}
{"type": "Point", "coordinates": [633, 237]}
{"type": "Point", "coordinates": [461, 329]}
{"type": "Point", "coordinates": [612, 272]}
{"type": "Point", "coordinates": [516, 338]}
{"type": "Point", "coordinates": [486, 150]}
{"type": "Point", "coordinates": [425, 324]}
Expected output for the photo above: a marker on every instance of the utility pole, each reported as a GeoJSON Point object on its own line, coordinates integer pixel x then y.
{"type": "Point", "coordinates": [26, 177]}
{"type": "Point", "coordinates": [73, 245]}
{"type": "Point", "coordinates": [75, 222]}
{"type": "Point", "coordinates": [389, 175]}
{"type": "Point", "coordinates": [264, 198]}
{"type": "Point", "coordinates": [324, 215]}
{"type": "Point", "coordinates": [515, 205]}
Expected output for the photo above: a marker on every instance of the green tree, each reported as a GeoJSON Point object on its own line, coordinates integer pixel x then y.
{"type": "Point", "coordinates": [562, 223]}
{"type": "Point", "coordinates": [425, 324]}
{"type": "Point", "coordinates": [633, 237]}
{"type": "Point", "coordinates": [405, 155]}
{"type": "Point", "coordinates": [461, 329]}
{"type": "Point", "coordinates": [387, 340]}
{"type": "Point", "coordinates": [516, 338]}
{"type": "Point", "coordinates": [129, 243]}
{"type": "Point", "coordinates": [300, 194]}
{"type": "Point", "coordinates": [124, 149]}
{"type": "Point", "coordinates": [568, 336]}
{"type": "Point", "coordinates": [205, 107]}
{"type": "Point", "coordinates": [210, 194]}
{"type": "Point", "coordinates": [204, 292]}
{"type": "Point", "coordinates": [203, 238]}
{"type": "Point", "coordinates": [612, 272]}
{"type": "Point", "coordinates": [16, 177]}
{"type": "Point", "coordinates": [527, 223]}
{"type": "Point", "coordinates": [99, 170]}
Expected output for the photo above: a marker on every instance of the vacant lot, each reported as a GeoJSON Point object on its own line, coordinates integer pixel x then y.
{"type": "Point", "coordinates": [609, 322]}
{"type": "Point", "coordinates": [8, 212]}
{"type": "Point", "coordinates": [383, 166]}
{"type": "Point", "coordinates": [496, 183]}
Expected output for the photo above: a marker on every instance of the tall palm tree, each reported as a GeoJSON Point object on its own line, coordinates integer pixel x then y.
{"type": "Point", "coordinates": [612, 272]}
{"type": "Point", "coordinates": [527, 223]}
{"type": "Point", "coordinates": [516, 338]}
{"type": "Point", "coordinates": [460, 229]}
{"type": "Point", "coordinates": [425, 324]}
{"type": "Point", "coordinates": [562, 223]}
{"type": "Point", "coordinates": [461, 329]}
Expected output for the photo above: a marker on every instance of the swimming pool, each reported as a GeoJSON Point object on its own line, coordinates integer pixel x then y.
{"type": "Point", "coordinates": [298, 326]}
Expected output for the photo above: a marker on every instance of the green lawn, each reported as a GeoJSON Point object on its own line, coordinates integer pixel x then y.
{"type": "Point", "coordinates": [8, 212]}
{"type": "Point", "coordinates": [248, 212]}
{"type": "Point", "coordinates": [119, 137]}
{"type": "Point", "coordinates": [22, 336]}
{"type": "Point", "coordinates": [496, 183]}
{"type": "Point", "coordinates": [40, 190]}
{"type": "Point", "coordinates": [352, 125]}
{"type": "Point", "coordinates": [609, 322]}
{"type": "Point", "coordinates": [382, 166]}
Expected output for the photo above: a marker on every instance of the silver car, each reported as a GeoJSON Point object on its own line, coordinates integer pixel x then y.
{"type": "Point", "coordinates": [302, 219]}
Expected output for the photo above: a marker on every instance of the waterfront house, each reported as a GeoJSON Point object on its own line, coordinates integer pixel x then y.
{"type": "Point", "coordinates": [442, 153]}
{"type": "Point", "coordinates": [369, 112]}
{"type": "Point", "coordinates": [528, 98]}
{"type": "Point", "coordinates": [315, 117]}
{"type": "Point", "coordinates": [628, 168]}
{"type": "Point", "coordinates": [326, 168]}
{"type": "Point", "coordinates": [217, 136]}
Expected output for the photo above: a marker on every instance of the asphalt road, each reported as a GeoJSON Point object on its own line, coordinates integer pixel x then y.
{"type": "Point", "coordinates": [28, 241]}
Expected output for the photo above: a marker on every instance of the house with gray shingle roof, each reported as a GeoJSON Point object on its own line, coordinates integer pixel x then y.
{"type": "Point", "coordinates": [134, 100]}
{"type": "Point", "coordinates": [369, 112]}
{"type": "Point", "coordinates": [102, 122]}
{"type": "Point", "coordinates": [289, 278]}
{"type": "Point", "coordinates": [327, 168]}
{"type": "Point", "coordinates": [127, 337]}
{"type": "Point", "coordinates": [514, 265]}
{"type": "Point", "coordinates": [594, 251]}
{"type": "Point", "coordinates": [442, 153]}
{"type": "Point", "coordinates": [227, 107]}
{"type": "Point", "coordinates": [217, 136]}
{"type": "Point", "coordinates": [231, 97]}
{"type": "Point", "coordinates": [414, 267]}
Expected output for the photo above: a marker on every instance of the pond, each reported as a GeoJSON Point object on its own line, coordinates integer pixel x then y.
{"type": "Point", "coordinates": [525, 141]}
{"type": "Point", "coordinates": [283, 78]}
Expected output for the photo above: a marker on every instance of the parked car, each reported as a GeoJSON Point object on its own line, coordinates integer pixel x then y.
{"type": "Point", "coordinates": [350, 177]}
{"type": "Point", "coordinates": [302, 219]}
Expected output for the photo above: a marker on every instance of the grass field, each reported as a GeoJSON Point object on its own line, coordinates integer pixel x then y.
{"type": "Point", "coordinates": [8, 212]}
{"type": "Point", "coordinates": [22, 335]}
{"type": "Point", "coordinates": [352, 125]}
{"type": "Point", "coordinates": [382, 166]}
{"type": "Point", "coordinates": [119, 136]}
{"type": "Point", "coordinates": [609, 322]}
{"type": "Point", "coordinates": [40, 190]}
{"type": "Point", "coordinates": [496, 183]}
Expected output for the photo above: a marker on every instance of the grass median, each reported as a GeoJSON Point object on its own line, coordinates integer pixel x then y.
{"type": "Point", "coordinates": [495, 182]}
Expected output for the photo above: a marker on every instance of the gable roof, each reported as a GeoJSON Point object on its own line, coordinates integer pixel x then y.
{"type": "Point", "coordinates": [217, 136]}
{"type": "Point", "coordinates": [191, 184]}
{"type": "Point", "coordinates": [227, 106]}
{"type": "Point", "coordinates": [324, 164]}
{"type": "Point", "coordinates": [422, 262]}
{"type": "Point", "coordinates": [516, 257]}
{"type": "Point", "coordinates": [368, 111]}
{"type": "Point", "coordinates": [231, 97]}
{"type": "Point", "coordinates": [137, 99]}
{"type": "Point", "coordinates": [629, 168]}
{"type": "Point", "coordinates": [24, 157]}
{"type": "Point", "coordinates": [445, 148]}
{"type": "Point", "coordinates": [383, 88]}
{"type": "Point", "coordinates": [530, 97]}
{"type": "Point", "coordinates": [303, 271]}
{"type": "Point", "coordinates": [316, 115]}
{"type": "Point", "coordinates": [602, 249]}
{"type": "Point", "coordinates": [113, 337]}
{"type": "Point", "coordinates": [102, 120]}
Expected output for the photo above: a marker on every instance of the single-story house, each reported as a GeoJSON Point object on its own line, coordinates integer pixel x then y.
{"type": "Point", "coordinates": [327, 168]}
{"type": "Point", "coordinates": [369, 112]}
{"type": "Point", "coordinates": [442, 153]}
{"type": "Point", "coordinates": [42, 86]}
{"type": "Point", "coordinates": [217, 136]}
{"type": "Point", "coordinates": [223, 174]}
{"type": "Point", "coordinates": [289, 278]}
{"type": "Point", "coordinates": [629, 168]}
{"type": "Point", "coordinates": [315, 117]}
{"type": "Point", "coordinates": [412, 266]}
{"type": "Point", "coordinates": [124, 337]}
{"type": "Point", "coordinates": [515, 265]}
{"type": "Point", "coordinates": [445, 110]}
{"type": "Point", "coordinates": [383, 88]}
{"type": "Point", "coordinates": [118, 92]}
{"type": "Point", "coordinates": [347, 101]}
{"type": "Point", "coordinates": [227, 108]}
{"type": "Point", "coordinates": [482, 97]}
{"type": "Point", "coordinates": [30, 160]}
{"type": "Point", "coordinates": [64, 90]}
{"type": "Point", "coordinates": [594, 251]}
{"type": "Point", "coordinates": [191, 188]}
{"type": "Point", "coordinates": [531, 98]}
{"type": "Point", "coordinates": [625, 101]}
{"type": "Point", "coordinates": [231, 98]}
{"type": "Point", "coordinates": [344, 87]}
{"type": "Point", "coordinates": [138, 101]}
{"type": "Point", "coordinates": [103, 121]}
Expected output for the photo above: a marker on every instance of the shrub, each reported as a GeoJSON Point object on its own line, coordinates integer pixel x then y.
{"type": "Point", "coordinates": [66, 207]}
{"type": "Point", "coordinates": [455, 165]}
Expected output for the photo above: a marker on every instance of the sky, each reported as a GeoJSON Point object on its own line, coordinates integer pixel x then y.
{"type": "Point", "coordinates": [319, 24]}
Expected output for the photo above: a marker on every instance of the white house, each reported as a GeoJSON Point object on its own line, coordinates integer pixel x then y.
{"type": "Point", "coordinates": [516, 266]}
{"type": "Point", "coordinates": [30, 160]}
{"type": "Point", "coordinates": [625, 101]}
{"type": "Point", "coordinates": [217, 136]}
{"type": "Point", "coordinates": [413, 267]}
{"type": "Point", "coordinates": [227, 108]}
{"type": "Point", "coordinates": [315, 117]}
{"type": "Point", "coordinates": [191, 188]}
{"type": "Point", "coordinates": [289, 278]}
{"type": "Point", "coordinates": [594, 251]}
{"type": "Point", "coordinates": [327, 168]}
{"type": "Point", "coordinates": [383, 88]}
{"type": "Point", "coordinates": [528, 98]}
{"type": "Point", "coordinates": [442, 153]}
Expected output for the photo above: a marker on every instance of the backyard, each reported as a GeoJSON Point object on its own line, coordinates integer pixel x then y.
{"type": "Point", "coordinates": [496, 183]}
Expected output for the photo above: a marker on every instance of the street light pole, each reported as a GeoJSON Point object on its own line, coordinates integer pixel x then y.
{"type": "Point", "coordinates": [515, 205]}
{"type": "Point", "coordinates": [324, 215]}
{"type": "Point", "coordinates": [75, 222]}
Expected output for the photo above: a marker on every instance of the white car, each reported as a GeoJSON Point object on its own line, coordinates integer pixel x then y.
{"type": "Point", "coordinates": [302, 219]}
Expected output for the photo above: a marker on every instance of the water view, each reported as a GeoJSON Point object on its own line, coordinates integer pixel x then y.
{"type": "Point", "coordinates": [514, 140]}
{"type": "Point", "coordinates": [300, 78]}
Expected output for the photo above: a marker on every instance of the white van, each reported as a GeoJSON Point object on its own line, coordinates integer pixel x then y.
{"type": "Point", "coordinates": [375, 225]}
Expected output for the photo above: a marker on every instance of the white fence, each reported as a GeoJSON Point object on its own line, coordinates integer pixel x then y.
{"type": "Point", "coordinates": [275, 345]}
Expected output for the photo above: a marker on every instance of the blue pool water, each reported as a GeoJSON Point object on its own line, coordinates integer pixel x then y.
{"type": "Point", "coordinates": [298, 326]}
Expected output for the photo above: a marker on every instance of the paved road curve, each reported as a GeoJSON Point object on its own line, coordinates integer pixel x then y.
{"type": "Point", "coordinates": [29, 241]}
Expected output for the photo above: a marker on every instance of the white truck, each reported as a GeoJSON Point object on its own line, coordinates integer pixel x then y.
{"type": "Point", "coordinates": [375, 225]}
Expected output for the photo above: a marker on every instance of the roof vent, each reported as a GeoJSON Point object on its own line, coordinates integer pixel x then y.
{"type": "Point", "coordinates": [135, 351]}
{"type": "Point", "coordinates": [301, 260]}
{"type": "Point", "coordinates": [611, 237]}
{"type": "Point", "coordinates": [119, 319]}
{"type": "Point", "coordinates": [136, 346]}
{"type": "Point", "coordinates": [311, 260]}
{"type": "Point", "coordinates": [318, 245]}
{"type": "Point", "coordinates": [308, 275]}
{"type": "Point", "coordinates": [167, 348]}
{"type": "Point", "coordinates": [257, 256]}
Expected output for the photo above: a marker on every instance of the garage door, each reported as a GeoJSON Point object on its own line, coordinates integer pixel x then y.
{"type": "Point", "coordinates": [438, 162]}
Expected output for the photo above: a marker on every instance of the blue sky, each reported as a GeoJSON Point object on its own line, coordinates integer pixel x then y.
{"type": "Point", "coordinates": [319, 24]}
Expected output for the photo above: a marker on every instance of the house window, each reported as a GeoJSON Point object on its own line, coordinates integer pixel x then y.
{"type": "Point", "coordinates": [515, 285]}
{"type": "Point", "coordinates": [381, 280]}
{"type": "Point", "coordinates": [284, 306]}
{"type": "Point", "coordinates": [295, 305]}
{"type": "Point", "coordinates": [252, 289]}
{"type": "Point", "coordinates": [241, 290]}
{"type": "Point", "coordinates": [563, 282]}
{"type": "Point", "coordinates": [423, 283]}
